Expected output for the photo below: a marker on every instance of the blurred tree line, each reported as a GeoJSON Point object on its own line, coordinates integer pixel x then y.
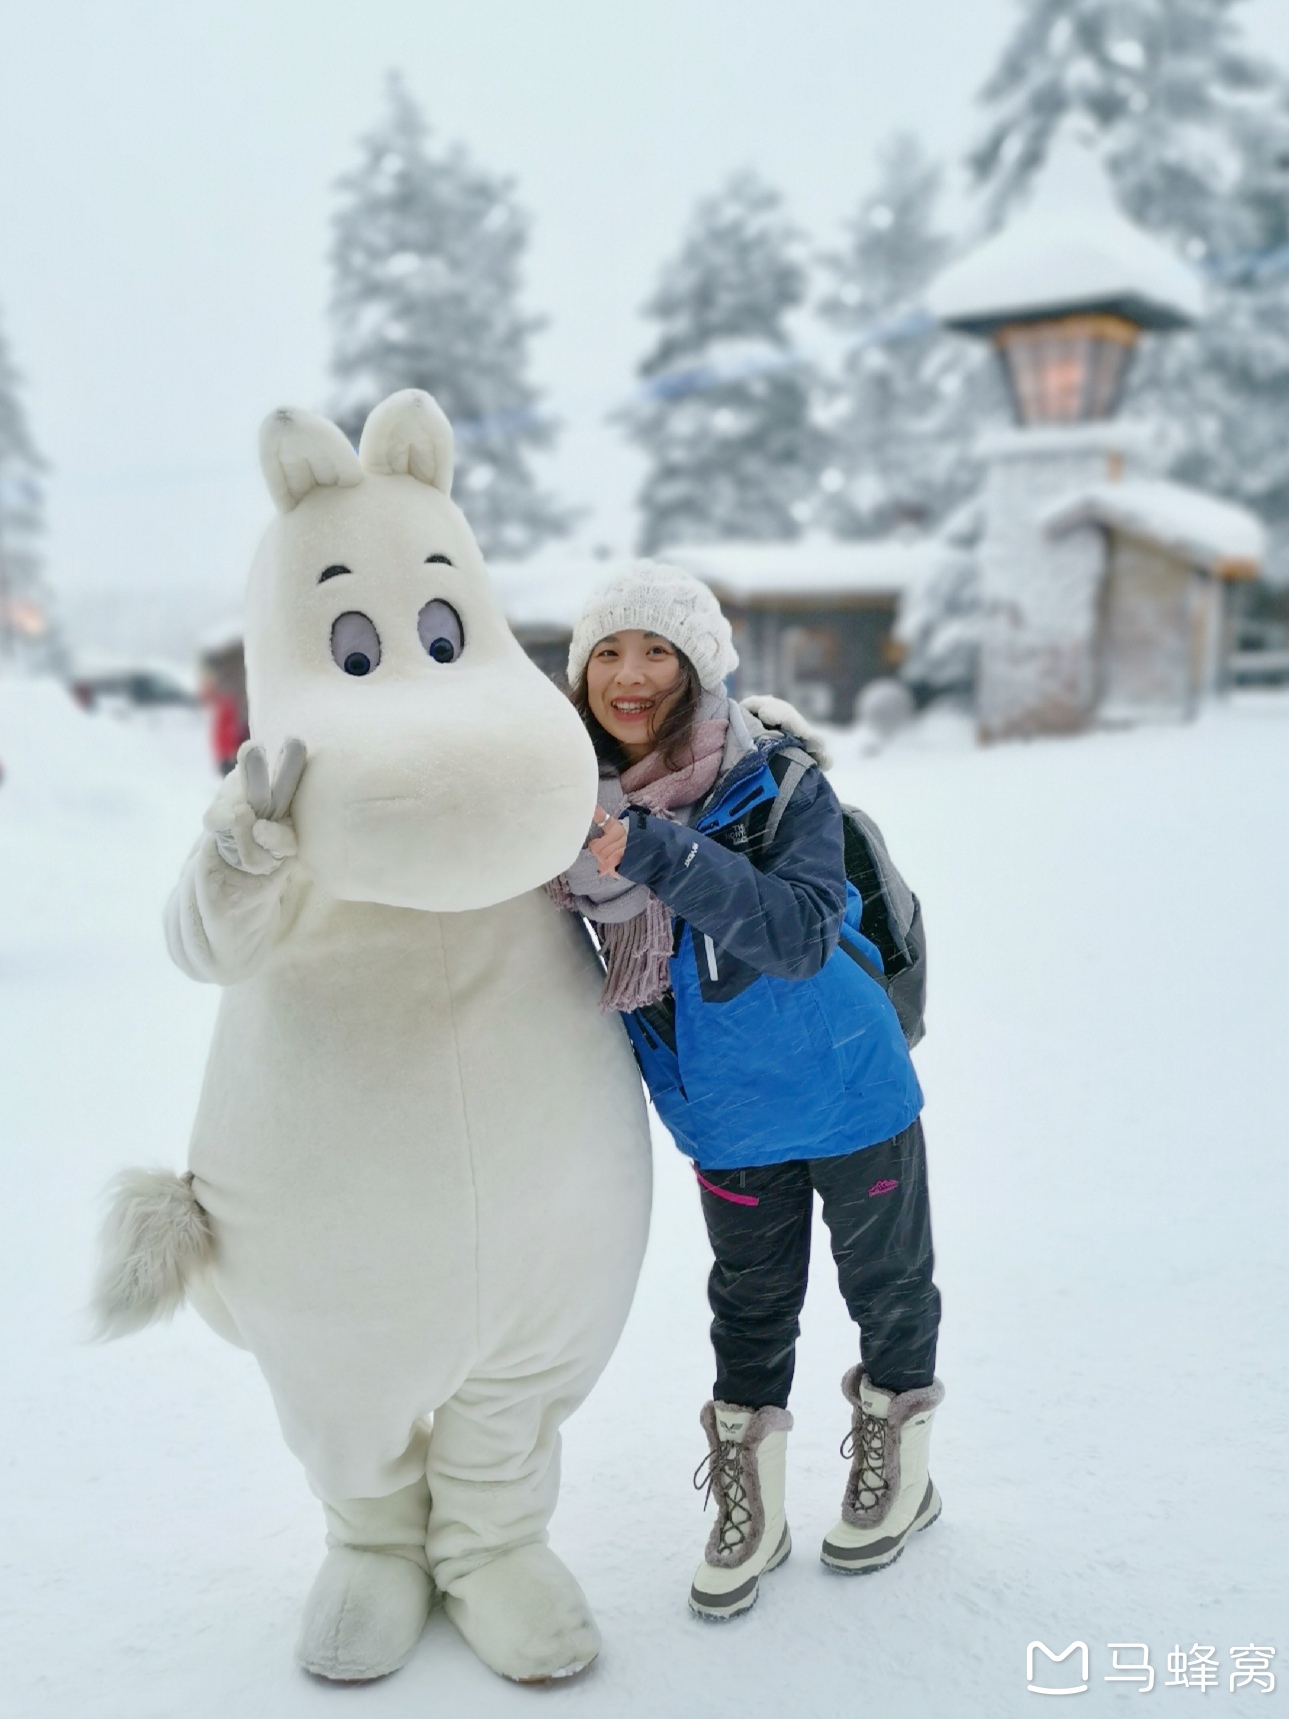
{"type": "Point", "coordinates": [786, 387]}
{"type": "Point", "coordinates": [28, 632]}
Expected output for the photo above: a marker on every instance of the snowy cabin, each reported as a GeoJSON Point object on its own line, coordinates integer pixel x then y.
{"type": "Point", "coordinates": [542, 597]}
{"type": "Point", "coordinates": [813, 620]}
{"type": "Point", "coordinates": [1166, 620]}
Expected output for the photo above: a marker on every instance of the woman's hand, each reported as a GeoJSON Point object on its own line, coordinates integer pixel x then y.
{"type": "Point", "coordinates": [608, 847]}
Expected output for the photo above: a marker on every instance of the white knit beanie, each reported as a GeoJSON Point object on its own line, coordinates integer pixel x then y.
{"type": "Point", "coordinates": [658, 599]}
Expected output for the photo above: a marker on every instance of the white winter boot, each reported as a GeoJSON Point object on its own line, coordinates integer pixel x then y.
{"type": "Point", "coordinates": [890, 1493]}
{"type": "Point", "coordinates": [744, 1472]}
{"type": "Point", "coordinates": [368, 1605]}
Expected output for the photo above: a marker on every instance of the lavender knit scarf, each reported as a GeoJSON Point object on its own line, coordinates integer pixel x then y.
{"type": "Point", "coordinates": [633, 926]}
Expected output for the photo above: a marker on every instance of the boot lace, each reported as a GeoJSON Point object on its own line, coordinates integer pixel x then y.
{"type": "Point", "coordinates": [864, 1446]}
{"type": "Point", "coordinates": [721, 1475]}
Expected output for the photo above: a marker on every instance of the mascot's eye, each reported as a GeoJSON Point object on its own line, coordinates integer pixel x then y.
{"type": "Point", "coordinates": [439, 627]}
{"type": "Point", "coordinates": [355, 643]}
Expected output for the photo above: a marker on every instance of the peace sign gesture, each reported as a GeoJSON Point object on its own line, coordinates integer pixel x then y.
{"type": "Point", "coordinates": [249, 822]}
{"type": "Point", "coordinates": [272, 799]}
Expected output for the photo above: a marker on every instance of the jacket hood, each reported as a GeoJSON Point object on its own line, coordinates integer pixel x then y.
{"type": "Point", "coordinates": [765, 715]}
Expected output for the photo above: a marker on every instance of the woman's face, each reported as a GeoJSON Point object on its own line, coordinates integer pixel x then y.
{"type": "Point", "coordinates": [632, 680]}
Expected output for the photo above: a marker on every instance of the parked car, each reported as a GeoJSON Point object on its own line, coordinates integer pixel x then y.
{"type": "Point", "coordinates": [134, 686]}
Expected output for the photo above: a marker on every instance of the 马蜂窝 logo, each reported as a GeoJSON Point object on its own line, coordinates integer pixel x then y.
{"type": "Point", "coordinates": [1079, 1647]}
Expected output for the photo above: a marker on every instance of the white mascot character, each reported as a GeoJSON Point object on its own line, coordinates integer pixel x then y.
{"type": "Point", "coordinates": [419, 1174]}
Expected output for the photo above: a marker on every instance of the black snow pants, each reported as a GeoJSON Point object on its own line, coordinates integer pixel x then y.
{"type": "Point", "coordinates": [878, 1215]}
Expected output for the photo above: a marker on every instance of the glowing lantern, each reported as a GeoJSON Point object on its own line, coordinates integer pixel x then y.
{"type": "Point", "coordinates": [1064, 291]}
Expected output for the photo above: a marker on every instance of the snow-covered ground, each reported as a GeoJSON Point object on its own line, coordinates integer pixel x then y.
{"type": "Point", "coordinates": [1108, 1116]}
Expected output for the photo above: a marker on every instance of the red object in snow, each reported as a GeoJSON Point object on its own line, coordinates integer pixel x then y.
{"type": "Point", "coordinates": [227, 727]}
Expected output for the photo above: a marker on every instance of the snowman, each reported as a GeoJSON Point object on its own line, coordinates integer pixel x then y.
{"type": "Point", "coordinates": [418, 1185]}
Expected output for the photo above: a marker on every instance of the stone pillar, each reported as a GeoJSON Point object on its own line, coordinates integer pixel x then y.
{"type": "Point", "coordinates": [1038, 652]}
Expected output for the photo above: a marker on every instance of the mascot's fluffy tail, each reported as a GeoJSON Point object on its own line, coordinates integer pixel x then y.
{"type": "Point", "coordinates": [155, 1236]}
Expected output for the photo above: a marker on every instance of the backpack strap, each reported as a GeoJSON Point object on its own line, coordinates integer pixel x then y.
{"type": "Point", "coordinates": [799, 761]}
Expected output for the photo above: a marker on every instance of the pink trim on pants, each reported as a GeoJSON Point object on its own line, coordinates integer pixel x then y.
{"type": "Point", "coordinates": [724, 1193]}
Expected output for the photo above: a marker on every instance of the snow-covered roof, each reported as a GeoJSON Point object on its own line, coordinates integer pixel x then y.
{"type": "Point", "coordinates": [550, 590]}
{"type": "Point", "coordinates": [1072, 249]}
{"type": "Point", "coordinates": [812, 567]}
{"type": "Point", "coordinates": [1216, 535]}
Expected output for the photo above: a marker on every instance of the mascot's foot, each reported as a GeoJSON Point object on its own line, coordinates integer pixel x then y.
{"type": "Point", "coordinates": [525, 1616]}
{"type": "Point", "coordinates": [364, 1615]}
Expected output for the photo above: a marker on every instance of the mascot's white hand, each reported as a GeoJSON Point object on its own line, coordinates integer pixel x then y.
{"type": "Point", "coordinates": [249, 820]}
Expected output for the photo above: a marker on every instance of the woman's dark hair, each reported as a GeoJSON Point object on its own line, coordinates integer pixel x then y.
{"type": "Point", "coordinates": [673, 732]}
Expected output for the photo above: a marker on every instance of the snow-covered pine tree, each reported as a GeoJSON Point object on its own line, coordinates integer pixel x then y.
{"type": "Point", "coordinates": [725, 408]}
{"type": "Point", "coordinates": [426, 261]}
{"type": "Point", "coordinates": [905, 410]}
{"type": "Point", "coordinates": [1224, 384]}
{"type": "Point", "coordinates": [1194, 128]}
{"type": "Point", "coordinates": [28, 632]}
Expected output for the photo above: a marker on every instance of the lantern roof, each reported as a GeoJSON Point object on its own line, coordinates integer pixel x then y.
{"type": "Point", "coordinates": [1071, 250]}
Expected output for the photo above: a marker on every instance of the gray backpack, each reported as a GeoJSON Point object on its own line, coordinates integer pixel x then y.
{"type": "Point", "coordinates": [892, 918]}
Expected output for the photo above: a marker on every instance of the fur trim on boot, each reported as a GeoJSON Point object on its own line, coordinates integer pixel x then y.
{"type": "Point", "coordinates": [874, 1441]}
{"type": "Point", "coordinates": [746, 1471]}
{"type": "Point", "coordinates": [154, 1237]}
{"type": "Point", "coordinates": [732, 1475]}
{"type": "Point", "coordinates": [890, 1495]}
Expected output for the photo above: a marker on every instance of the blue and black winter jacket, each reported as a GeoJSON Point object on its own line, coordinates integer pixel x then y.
{"type": "Point", "coordinates": [775, 1044]}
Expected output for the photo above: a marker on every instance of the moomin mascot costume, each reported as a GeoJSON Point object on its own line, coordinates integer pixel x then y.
{"type": "Point", "coordinates": [419, 1176]}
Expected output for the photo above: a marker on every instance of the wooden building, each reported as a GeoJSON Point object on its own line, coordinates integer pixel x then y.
{"type": "Point", "coordinates": [813, 620]}
{"type": "Point", "coordinates": [1166, 610]}
{"type": "Point", "coordinates": [542, 598]}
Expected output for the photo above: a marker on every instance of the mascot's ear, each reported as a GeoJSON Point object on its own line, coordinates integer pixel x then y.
{"type": "Point", "coordinates": [300, 451]}
{"type": "Point", "coordinates": [408, 436]}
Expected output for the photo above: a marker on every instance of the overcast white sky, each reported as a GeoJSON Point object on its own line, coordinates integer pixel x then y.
{"type": "Point", "coordinates": [165, 188]}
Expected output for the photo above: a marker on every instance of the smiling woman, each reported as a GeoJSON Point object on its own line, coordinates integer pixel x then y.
{"type": "Point", "coordinates": [636, 688]}
{"type": "Point", "coordinates": [637, 693]}
{"type": "Point", "coordinates": [733, 944]}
